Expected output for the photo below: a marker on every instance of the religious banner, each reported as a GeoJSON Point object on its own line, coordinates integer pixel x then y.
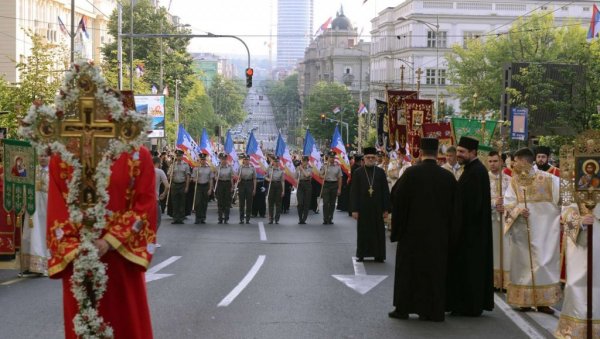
{"type": "Point", "coordinates": [417, 113]}
{"type": "Point", "coordinates": [19, 176]}
{"type": "Point", "coordinates": [474, 128]}
{"type": "Point", "coordinates": [382, 119]}
{"type": "Point", "coordinates": [441, 131]}
{"type": "Point", "coordinates": [396, 116]}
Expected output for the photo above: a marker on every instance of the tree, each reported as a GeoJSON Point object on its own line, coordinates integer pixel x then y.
{"type": "Point", "coordinates": [40, 78]}
{"type": "Point", "coordinates": [197, 110]}
{"type": "Point", "coordinates": [227, 98]}
{"type": "Point", "coordinates": [177, 62]}
{"type": "Point", "coordinates": [323, 98]}
{"type": "Point", "coordinates": [537, 41]}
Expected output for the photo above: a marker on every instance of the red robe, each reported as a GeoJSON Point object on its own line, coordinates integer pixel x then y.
{"type": "Point", "coordinates": [8, 236]}
{"type": "Point", "coordinates": [124, 305]}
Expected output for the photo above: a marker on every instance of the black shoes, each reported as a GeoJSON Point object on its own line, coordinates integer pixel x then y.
{"type": "Point", "coordinates": [360, 259]}
{"type": "Point", "coordinates": [301, 222]}
{"type": "Point", "coordinates": [202, 221]}
{"type": "Point", "coordinates": [247, 221]}
{"type": "Point", "coordinates": [241, 222]}
{"type": "Point", "coordinates": [379, 260]}
{"type": "Point", "coordinates": [177, 222]}
{"type": "Point", "coordinates": [220, 221]}
{"type": "Point", "coordinates": [397, 315]}
{"type": "Point", "coordinates": [270, 221]}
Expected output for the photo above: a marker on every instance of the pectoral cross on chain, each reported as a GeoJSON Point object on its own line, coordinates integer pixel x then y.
{"type": "Point", "coordinates": [90, 131]}
{"type": "Point", "coordinates": [371, 190]}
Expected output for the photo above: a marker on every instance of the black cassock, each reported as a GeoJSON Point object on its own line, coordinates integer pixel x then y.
{"type": "Point", "coordinates": [422, 219]}
{"type": "Point", "coordinates": [370, 232]}
{"type": "Point", "coordinates": [344, 198]}
{"type": "Point", "coordinates": [470, 266]}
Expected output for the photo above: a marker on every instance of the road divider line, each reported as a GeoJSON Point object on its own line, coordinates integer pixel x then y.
{"type": "Point", "coordinates": [242, 285]}
{"type": "Point", "coordinates": [261, 231]}
{"type": "Point", "coordinates": [516, 318]}
{"type": "Point", "coordinates": [163, 264]}
{"type": "Point", "coordinates": [10, 282]}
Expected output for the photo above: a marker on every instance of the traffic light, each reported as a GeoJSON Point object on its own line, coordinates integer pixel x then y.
{"type": "Point", "coordinates": [323, 119]}
{"type": "Point", "coordinates": [249, 74]}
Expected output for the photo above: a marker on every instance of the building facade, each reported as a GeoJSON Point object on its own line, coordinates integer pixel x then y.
{"type": "Point", "coordinates": [417, 34]}
{"type": "Point", "coordinates": [42, 18]}
{"type": "Point", "coordinates": [208, 65]}
{"type": "Point", "coordinates": [336, 55]}
{"type": "Point", "coordinates": [294, 30]}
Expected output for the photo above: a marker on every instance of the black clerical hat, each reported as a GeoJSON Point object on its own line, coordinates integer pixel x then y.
{"type": "Point", "coordinates": [542, 150]}
{"type": "Point", "coordinates": [429, 144]}
{"type": "Point", "coordinates": [468, 143]}
{"type": "Point", "coordinates": [369, 150]}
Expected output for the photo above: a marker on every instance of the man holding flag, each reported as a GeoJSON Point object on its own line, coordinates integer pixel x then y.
{"type": "Point", "coordinates": [257, 159]}
{"type": "Point", "coordinates": [332, 187]}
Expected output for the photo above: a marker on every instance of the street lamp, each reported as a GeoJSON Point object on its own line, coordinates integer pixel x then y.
{"type": "Point", "coordinates": [436, 28]}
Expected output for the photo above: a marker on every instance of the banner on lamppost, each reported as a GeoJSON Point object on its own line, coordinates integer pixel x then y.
{"type": "Point", "coordinates": [518, 123]}
{"type": "Point", "coordinates": [154, 106]}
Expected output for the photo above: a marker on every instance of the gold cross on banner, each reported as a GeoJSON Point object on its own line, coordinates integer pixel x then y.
{"type": "Point", "coordinates": [87, 131]}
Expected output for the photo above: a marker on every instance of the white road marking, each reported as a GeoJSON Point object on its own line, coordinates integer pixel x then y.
{"type": "Point", "coordinates": [261, 230]}
{"type": "Point", "coordinates": [10, 282]}
{"type": "Point", "coordinates": [152, 274]}
{"type": "Point", "coordinates": [360, 281]}
{"type": "Point", "coordinates": [242, 285]}
{"type": "Point", "coordinates": [529, 330]}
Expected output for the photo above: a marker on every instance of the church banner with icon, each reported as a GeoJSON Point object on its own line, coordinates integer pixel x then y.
{"type": "Point", "coordinates": [418, 113]}
{"type": "Point", "coordinates": [19, 176]}
{"type": "Point", "coordinates": [396, 116]}
{"type": "Point", "coordinates": [474, 128]}
{"type": "Point", "coordinates": [440, 130]}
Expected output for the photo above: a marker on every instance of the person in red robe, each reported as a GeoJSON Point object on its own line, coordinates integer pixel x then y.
{"type": "Point", "coordinates": [126, 245]}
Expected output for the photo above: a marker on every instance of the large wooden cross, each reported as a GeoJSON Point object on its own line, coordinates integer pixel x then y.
{"type": "Point", "coordinates": [87, 131]}
{"type": "Point", "coordinates": [418, 72]}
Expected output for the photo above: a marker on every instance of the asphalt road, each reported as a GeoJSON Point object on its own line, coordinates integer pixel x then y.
{"type": "Point", "coordinates": [292, 293]}
{"type": "Point", "coordinates": [260, 120]}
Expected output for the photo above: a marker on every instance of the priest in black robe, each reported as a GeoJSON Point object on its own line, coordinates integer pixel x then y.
{"type": "Point", "coordinates": [370, 203]}
{"type": "Point", "coordinates": [471, 266]}
{"type": "Point", "coordinates": [422, 219]}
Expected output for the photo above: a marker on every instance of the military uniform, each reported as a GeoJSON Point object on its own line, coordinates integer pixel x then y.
{"type": "Point", "coordinates": [223, 192]}
{"type": "Point", "coordinates": [304, 192]}
{"type": "Point", "coordinates": [179, 184]}
{"type": "Point", "coordinates": [332, 175]}
{"type": "Point", "coordinates": [276, 176]}
{"type": "Point", "coordinates": [202, 177]}
{"type": "Point", "coordinates": [246, 189]}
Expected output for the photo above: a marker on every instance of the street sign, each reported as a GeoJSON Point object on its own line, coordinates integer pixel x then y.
{"type": "Point", "coordinates": [518, 123]}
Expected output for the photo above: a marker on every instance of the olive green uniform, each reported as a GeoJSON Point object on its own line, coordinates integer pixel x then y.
{"type": "Point", "coordinates": [332, 175]}
{"type": "Point", "coordinates": [223, 192]}
{"type": "Point", "coordinates": [275, 189]}
{"type": "Point", "coordinates": [304, 192]}
{"type": "Point", "coordinates": [181, 177]}
{"type": "Point", "coordinates": [202, 177]}
{"type": "Point", "coordinates": [246, 188]}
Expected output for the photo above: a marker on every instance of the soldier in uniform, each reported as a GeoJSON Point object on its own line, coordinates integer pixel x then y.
{"type": "Point", "coordinates": [224, 187]}
{"type": "Point", "coordinates": [332, 181]}
{"type": "Point", "coordinates": [179, 187]}
{"type": "Point", "coordinates": [246, 188]}
{"type": "Point", "coordinates": [202, 176]}
{"type": "Point", "coordinates": [304, 192]}
{"type": "Point", "coordinates": [276, 182]}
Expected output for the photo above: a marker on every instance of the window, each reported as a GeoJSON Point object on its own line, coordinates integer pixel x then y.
{"type": "Point", "coordinates": [347, 70]}
{"type": "Point", "coordinates": [544, 8]}
{"type": "Point", "coordinates": [430, 76]}
{"type": "Point", "coordinates": [431, 39]}
{"type": "Point", "coordinates": [564, 8]}
{"type": "Point", "coordinates": [441, 76]}
{"type": "Point", "coordinates": [469, 36]}
{"type": "Point", "coordinates": [586, 9]}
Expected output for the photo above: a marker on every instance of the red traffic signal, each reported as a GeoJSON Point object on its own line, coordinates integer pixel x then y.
{"type": "Point", "coordinates": [249, 74]}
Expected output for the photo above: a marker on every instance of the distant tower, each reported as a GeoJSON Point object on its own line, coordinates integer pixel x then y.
{"type": "Point", "coordinates": [294, 30]}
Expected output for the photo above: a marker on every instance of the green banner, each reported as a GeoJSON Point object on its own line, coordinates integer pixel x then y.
{"type": "Point", "coordinates": [474, 128]}
{"type": "Point", "coordinates": [19, 176]}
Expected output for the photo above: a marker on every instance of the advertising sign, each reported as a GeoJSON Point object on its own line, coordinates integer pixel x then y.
{"type": "Point", "coordinates": [518, 126]}
{"type": "Point", "coordinates": [154, 106]}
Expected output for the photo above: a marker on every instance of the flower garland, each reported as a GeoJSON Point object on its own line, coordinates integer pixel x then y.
{"type": "Point", "coordinates": [89, 279]}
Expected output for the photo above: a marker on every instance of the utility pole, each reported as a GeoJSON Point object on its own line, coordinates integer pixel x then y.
{"type": "Point", "coordinates": [72, 31]}
{"type": "Point", "coordinates": [131, 48]}
{"type": "Point", "coordinates": [120, 43]}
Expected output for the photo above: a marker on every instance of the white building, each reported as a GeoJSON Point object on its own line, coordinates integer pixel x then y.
{"type": "Point", "coordinates": [294, 29]}
{"type": "Point", "coordinates": [42, 18]}
{"type": "Point", "coordinates": [337, 55]}
{"type": "Point", "coordinates": [405, 35]}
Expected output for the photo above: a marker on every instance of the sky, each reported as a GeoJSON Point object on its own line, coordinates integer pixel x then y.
{"type": "Point", "coordinates": [255, 20]}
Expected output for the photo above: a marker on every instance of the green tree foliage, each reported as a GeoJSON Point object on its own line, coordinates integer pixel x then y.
{"type": "Point", "coordinates": [41, 75]}
{"type": "Point", "coordinates": [322, 99]}
{"type": "Point", "coordinates": [177, 62]}
{"type": "Point", "coordinates": [227, 100]}
{"type": "Point", "coordinates": [197, 108]}
{"type": "Point", "coordinates": [535, 40]}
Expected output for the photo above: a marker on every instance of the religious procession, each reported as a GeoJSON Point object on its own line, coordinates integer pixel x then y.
{"type": "Point", "coordinates": [461, 204]}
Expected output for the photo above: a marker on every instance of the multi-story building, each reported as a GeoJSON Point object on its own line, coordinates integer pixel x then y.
{"type": "Point", "coordinates": [208, 65]}
{"type": "Point", "coordinates": [336, 55]}
{"type": "Point", "coordinates": [42, 18]}
{"type": "Point", "coordinates": [294, 29]}
{"type": "Point", "coordinates": [417, 34]}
